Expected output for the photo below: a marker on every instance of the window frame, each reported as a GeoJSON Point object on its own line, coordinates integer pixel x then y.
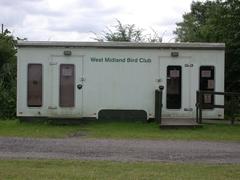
{"type": "Point", "coordinates": [213, 77]}
{"type": "Point", "coordinates": [73, 103]}
{"type": "Point", "coordinates": [29, 103]}
{"type": "Point", "coordinates": [179, 106]}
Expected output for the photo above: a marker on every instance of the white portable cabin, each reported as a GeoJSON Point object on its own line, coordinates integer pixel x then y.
{"type": "Point", "coordinates": [80, 79]}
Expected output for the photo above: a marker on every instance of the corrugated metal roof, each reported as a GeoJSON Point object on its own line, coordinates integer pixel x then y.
{"type": "Point", "coordinates": [122, 45]}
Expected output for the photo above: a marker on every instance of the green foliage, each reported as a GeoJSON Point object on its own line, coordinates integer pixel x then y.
{"type": "Point", "coordinates": [127, 33]}
{"type": "Point", "coordinates": [215, 21]}
{"type": "Point", "coordinates": [8, 72]}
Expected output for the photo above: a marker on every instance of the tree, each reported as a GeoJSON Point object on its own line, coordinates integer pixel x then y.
{"type": "Point", "coordinates": [7, 74]}
{"type": "Point", "coordinates": [216, 21]}
{"type": "Point", "coordinates": [127, 33]}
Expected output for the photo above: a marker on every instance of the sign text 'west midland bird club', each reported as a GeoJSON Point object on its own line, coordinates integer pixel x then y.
{"type": "Point", "coordinates": [121, 60]}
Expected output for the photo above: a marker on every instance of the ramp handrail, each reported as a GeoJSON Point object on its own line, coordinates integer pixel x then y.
{"type": "Point", "coordinates": [200, 105]}
{"type": "Point", "coordinates": [158, 104]}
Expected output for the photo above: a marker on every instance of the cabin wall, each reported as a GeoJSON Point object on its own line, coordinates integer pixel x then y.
{"type": "Point", "coordinates": [115, 85]}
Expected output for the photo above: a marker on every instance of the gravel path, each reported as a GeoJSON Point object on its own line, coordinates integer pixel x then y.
{"type": "Point", "coordinates": [121, 150]}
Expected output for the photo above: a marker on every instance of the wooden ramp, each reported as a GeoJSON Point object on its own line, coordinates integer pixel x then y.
{"type": "Point", "coordinates": [179, 123]}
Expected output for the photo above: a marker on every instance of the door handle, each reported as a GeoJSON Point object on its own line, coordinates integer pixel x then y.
{"type": "Point", "coordinates": [79, 86]}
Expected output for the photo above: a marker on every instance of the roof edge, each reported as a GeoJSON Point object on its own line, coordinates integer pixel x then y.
{"type": "Point", "coordinates": [122, 45]}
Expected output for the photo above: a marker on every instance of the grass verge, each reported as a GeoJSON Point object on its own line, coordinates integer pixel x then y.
{"type": "Point", "coordinates": [15, 128]}
{"type": "Point", "coordinates": [140, 130]}
{"type": "Point", "coordinates": [67, 169]}
{"type": "Point", "coordinates": [119, 130]}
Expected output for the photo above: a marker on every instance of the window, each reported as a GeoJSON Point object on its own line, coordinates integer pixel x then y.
{"type": "Point", "coordinates": [174, 85]}
{"type": "Point", "coordinates": [67, 84]}
{"type": "Point", "coordinates": [207, 83]}
{"type": "Point", "coordinates": [34, 87]}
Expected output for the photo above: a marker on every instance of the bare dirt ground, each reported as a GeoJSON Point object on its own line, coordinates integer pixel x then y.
{"type": "Point", "coordinates": [120, 150]}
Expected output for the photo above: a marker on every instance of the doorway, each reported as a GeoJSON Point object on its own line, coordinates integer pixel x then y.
{"type": "Point", "coordinates": [66, 86]}
{"type": "Point", "coordinates": [176, 76]}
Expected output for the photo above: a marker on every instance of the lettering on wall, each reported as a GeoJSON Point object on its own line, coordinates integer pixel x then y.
{"type": "Point", "coordinates": [120, 60]}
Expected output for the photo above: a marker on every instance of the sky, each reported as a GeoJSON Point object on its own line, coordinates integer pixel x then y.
{"type": "Point", "coordinates": [78, 20]}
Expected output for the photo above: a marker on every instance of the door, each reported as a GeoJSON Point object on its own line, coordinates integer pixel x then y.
{"type": "Point", "coordinates": [66, 86]}
{"type": "Point", "coordinates": [176, 77]}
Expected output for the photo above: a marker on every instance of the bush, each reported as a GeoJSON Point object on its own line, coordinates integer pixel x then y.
{"type": "Point", "coordinates": [8, 73]}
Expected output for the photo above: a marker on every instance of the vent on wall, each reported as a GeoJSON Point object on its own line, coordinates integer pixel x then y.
{"type": "Point", "coordinates": [174, 54]}
{"type": "Point", "coordinates": [67, 53]}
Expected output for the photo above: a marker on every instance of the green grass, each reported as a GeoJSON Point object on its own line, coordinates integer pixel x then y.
{"type": "Point", "coordinates": [67, 169]}
{"type": "Point", "coordinates": [119, 130]}
{"type": "Point", "coordinates": [140, 130]}
{"type": "Point", "coordinates": [14, 128]}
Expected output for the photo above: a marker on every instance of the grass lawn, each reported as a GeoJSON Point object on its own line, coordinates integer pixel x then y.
{"type": "Point", "coordinates": [140, 130]}
{"type": "Point", "coordinates": [119, 130]}
{"type": "Point", "coordinates": [14, 128]}
{"type": "Point", "coordinates": [67, 169]}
